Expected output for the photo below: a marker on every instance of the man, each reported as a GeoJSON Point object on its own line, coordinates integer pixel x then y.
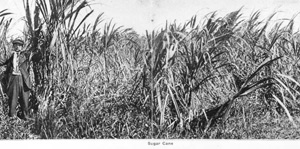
{"type": "Point", "coordinates": [17, 82]}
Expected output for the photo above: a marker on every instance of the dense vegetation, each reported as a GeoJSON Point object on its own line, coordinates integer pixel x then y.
{"type": "Point", "coordinates": [218, 77]}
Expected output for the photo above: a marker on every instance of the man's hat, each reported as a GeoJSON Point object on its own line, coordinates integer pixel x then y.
{"type": "Point", "coordinates": [18, 41]}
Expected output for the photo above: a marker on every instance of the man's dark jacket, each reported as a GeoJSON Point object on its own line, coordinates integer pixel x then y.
{"type": "Point", "coordinates": [7, 60]}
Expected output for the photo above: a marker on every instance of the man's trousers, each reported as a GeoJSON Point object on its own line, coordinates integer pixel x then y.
{"type": "Point", "coordinates": [17, 91]}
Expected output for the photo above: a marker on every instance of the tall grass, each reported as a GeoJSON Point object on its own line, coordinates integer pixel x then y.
{"type": "Point", "coordinates": [217, 77]}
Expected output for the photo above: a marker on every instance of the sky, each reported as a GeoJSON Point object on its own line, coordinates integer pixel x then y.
{"type": "Point", "coordinates": [150, 15]}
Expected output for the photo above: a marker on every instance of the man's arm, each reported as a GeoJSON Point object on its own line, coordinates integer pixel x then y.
{"type": "Point", "coordinates": [4, 59]}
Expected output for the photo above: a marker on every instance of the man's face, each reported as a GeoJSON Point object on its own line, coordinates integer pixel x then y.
{"type": "Point", "coordinates": [17, 47]}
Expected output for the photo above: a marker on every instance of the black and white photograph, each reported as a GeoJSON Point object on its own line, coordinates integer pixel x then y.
{"type": "Point", "coordinates": [150, 73]}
